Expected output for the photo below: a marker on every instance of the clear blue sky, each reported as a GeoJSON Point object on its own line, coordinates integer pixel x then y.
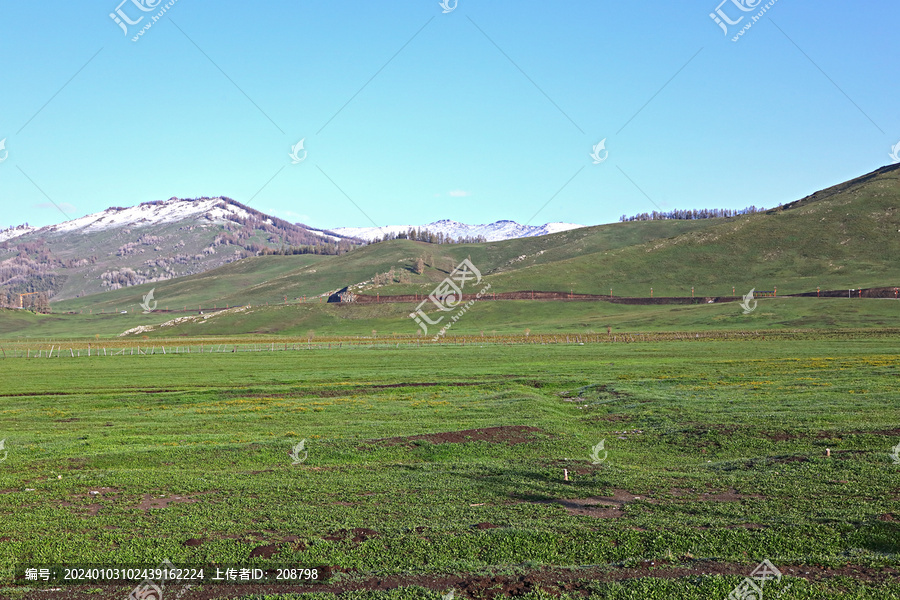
{"type": "Point", "coordinates": [487, 112]}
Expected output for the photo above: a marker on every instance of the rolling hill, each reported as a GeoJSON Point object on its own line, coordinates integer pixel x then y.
{"type": "Point", "coordinates": [843, 237]}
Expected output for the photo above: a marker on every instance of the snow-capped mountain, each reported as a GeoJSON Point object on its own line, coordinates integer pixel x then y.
{"type": "Point", "coordinates": [153, 241]}
{"type": "Point", "coordinates": [492, 232]}
{"type": "Point", "coordinates": [203, 210]}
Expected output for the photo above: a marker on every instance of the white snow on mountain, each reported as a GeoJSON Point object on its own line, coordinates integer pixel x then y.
{"type": "Point", "coordinates": [210, 211]}
{"type": "Point", "coordinates": [493, 232]}
{"type": "Point", "coordinates": [147, 214]}
{"type": "Point", "coordinates": [14, 232]}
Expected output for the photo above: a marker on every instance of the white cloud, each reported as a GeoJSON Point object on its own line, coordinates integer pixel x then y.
{"type": "Point", "coordinates": [459, 194]}
{"type": "Point", "coordinates": [65, 206]}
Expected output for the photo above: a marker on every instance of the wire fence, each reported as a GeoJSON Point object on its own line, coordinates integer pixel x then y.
{"type": "Point", "coordinates": [75, 349]}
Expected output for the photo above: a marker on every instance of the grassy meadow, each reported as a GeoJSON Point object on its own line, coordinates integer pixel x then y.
{"type": "Point", "coordinates": [443, 467]}
{"type": "Point", "coordinates": [529, 454]}
{"type": "Point", "coordinates": [502, 317]}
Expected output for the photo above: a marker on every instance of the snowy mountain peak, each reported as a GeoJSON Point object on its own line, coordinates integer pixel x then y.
{"type": "Point", "coordinates": [211, 210]}
{"type": "Point", "coordinates": [492, 232]}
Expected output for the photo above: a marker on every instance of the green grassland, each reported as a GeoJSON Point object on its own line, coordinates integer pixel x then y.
{"type": "Point", "coordinates": [504, 317]}
{"type": "Point", "coordinates": [272, 278]}
{"type": "Point", "coordinates": [716, 456]}
{"type": "Point", "coordinates": [731, 437]}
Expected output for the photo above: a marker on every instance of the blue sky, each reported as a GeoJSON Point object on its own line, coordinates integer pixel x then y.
{"type": "Point", "coordinates": [410, 114]}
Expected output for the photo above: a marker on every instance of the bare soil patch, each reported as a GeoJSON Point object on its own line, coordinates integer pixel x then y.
{"type": "Point", "coordinates": [151, 501]}
{"type": "Point", "coordinates": [511, 434]}
{"type": "Point", "coordinates": [360, 534]}
{"type": "Point", "coordinates": [193, 542]}
{"type": "Point", "coordinates": [84, 504]}
{"type": "Point", "coordinates": [730, 495]}
{"type": "Point", "coordinates": [600, 507]}
{"type": "Point", "coordinates": [267, 551]}
{"type": "Point", "coordinates": [335, 393]}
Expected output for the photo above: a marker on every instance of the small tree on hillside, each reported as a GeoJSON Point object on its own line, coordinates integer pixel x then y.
{"type": "Point", "coordinates": [419, 267]}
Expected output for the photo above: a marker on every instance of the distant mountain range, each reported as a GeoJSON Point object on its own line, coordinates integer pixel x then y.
{"type": "Point", "coordinates": [161, 240]}
{"type": "Point", "coordinates": [492, 232]}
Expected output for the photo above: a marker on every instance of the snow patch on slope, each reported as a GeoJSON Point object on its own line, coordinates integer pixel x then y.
{"type": "Point", "coordinates": [148, 214]}
{"type": "Point", "coordinates": [493, 232]}
{"type": "Point", "coordinates": [14, 232]}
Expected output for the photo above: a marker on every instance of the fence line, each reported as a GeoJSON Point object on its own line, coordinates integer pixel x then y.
{"type": "Point", "coordinates": [76, 350]}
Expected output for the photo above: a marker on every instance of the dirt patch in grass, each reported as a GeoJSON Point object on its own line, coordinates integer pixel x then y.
{"type": "Point", "coordinates": [511, 434]}
{"type": "Point", "coordinates": [76, 464]}
{"type": "Point", "coordinates": [613, 507]}
{"type": "Point", "coordinates": [265, 544]}
{"type": "Point", "coordinates": [334, 393]}
{"type": "Point", "coordinates": [163, 501]}
{"type": "Point", "coordinates": [193, 542]}
{"type": "Point", "coordinates": [86, 510]}
{"type": "Point", "coordinates": [84, 503]}
{"type": "Point", "coordinates": [785, 436]}
{"type": "Point", "coordinates": [427, 384]}
{"type": "Point", "coordinates": [788, 459]}
{"type": "Point", "coordinates": [360, 534]}
{"type": "Point", "coordinates": [890, 432]}
{"type": "Point", "coordinates": [730, 495]}
{"type": "Point", "coordinates": [600, 507]}
{"type": "Point", "coordinates": [594, 389]}
{"type": "Point", "coordinates": [36, 394]}
{"type": "Point", "coordinates": [267, 551]}
{"type": "Point", "coordinates": [611, 418]}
